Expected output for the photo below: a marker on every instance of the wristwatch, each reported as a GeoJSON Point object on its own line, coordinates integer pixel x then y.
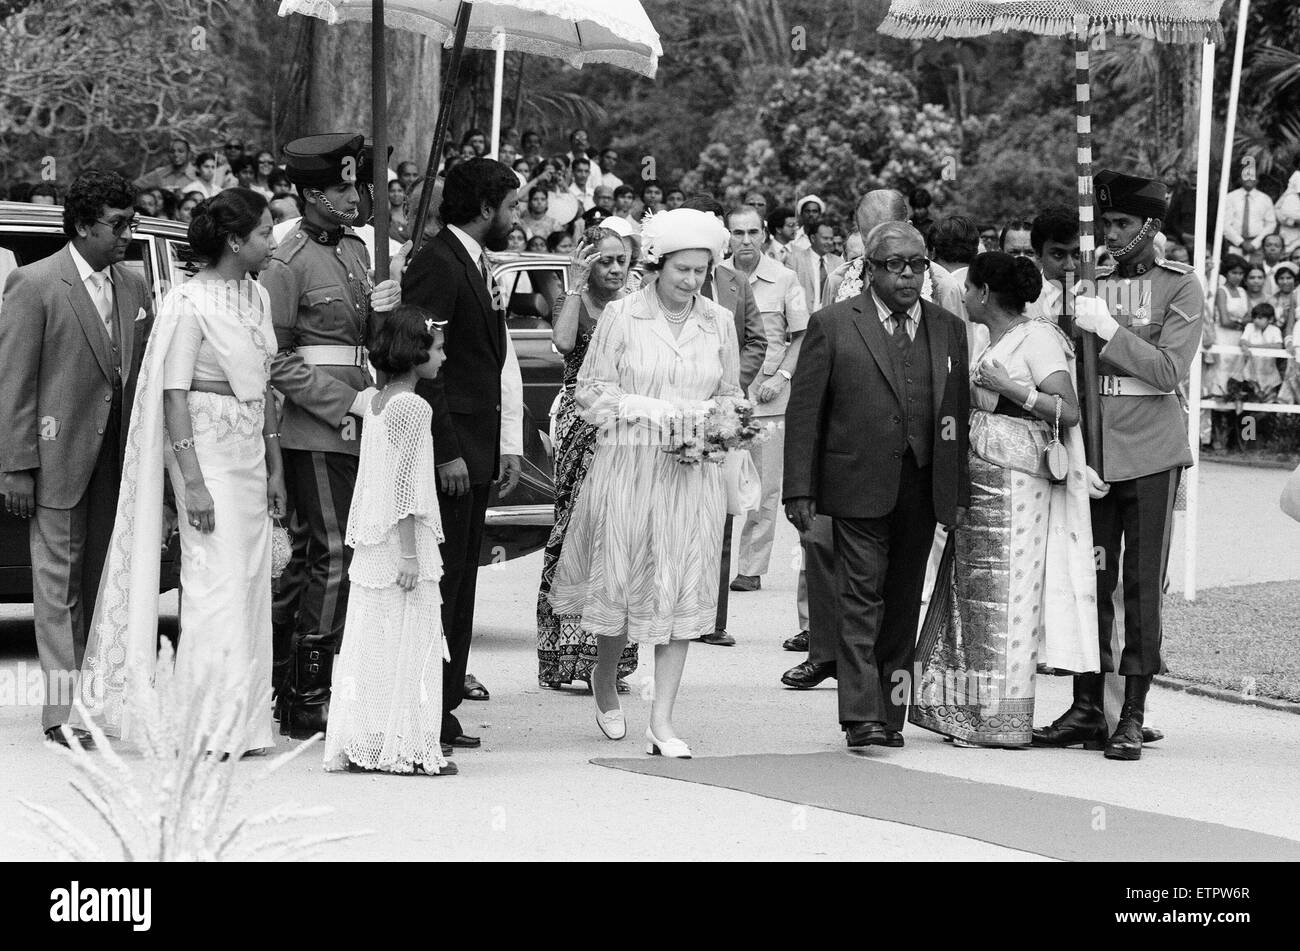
{"type": "Point", "coordinates": [785, 373]}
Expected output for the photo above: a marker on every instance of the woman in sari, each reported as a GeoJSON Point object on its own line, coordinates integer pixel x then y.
{"type": "Point", "coordinates": [204, 411]}
{"type": "Point", "coordinates": [1017, 583]}
{"type": "Point", "coordinates": [597, 276]}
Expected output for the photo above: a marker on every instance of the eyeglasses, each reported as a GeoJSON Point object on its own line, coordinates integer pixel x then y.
{"type": "Point", "coordinates": [896, 265]}
{"type": "Point", "coordinates": [121, 225]}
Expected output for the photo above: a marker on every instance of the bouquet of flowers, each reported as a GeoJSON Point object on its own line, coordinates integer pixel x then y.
{"type": "Point", "coordinates": [706, 435]}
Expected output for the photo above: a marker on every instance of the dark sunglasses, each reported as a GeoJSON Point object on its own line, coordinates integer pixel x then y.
{"type": "Point", "coordinates": [120, 225]}
{"type": "Point", "coordinates": [896, 265]}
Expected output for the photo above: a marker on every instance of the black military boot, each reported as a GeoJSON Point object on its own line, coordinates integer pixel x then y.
{"type": "Point", "coordinates": [1084, 723]}
{"type": "Point", "coordinates": [1126, 741]}
{"type": "Point", "coordinates": [281, 663]}
{"type": "Point", "coordinates": [306, 702]}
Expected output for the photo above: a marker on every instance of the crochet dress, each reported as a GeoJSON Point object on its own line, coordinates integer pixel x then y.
{"type": "Point", "coordinates": [386, 706]}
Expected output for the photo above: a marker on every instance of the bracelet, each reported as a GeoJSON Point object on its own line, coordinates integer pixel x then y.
{"type": "Point", "coordinates": [181, 445]}
{"type": "Point", "coordinates": [270, 435]}
{"type": "Point", "coordinates": [1031, 399]}
{"type": "Point", "coordinates": [410, 557]}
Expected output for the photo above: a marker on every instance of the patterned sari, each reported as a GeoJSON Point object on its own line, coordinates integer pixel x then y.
{"type": "Point", "coordinates": [1016, 586]}
{"type": "Point", "coordinates": [566, 652]}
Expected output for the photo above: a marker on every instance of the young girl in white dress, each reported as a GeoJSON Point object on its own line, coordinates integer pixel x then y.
{"type": "Point", "coordinates": [386, 708]}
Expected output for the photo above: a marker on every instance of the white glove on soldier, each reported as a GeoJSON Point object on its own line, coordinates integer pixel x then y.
{"type": "Point", "coordinates": [1092, 314]}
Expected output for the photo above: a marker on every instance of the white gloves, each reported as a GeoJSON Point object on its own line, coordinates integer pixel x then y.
{"type": "Point", "coordinates": [1096, 488]}
{"type": "Point", "coordinates": [1092, 314]}
{"type": "Point", "coordinates": [385, 296]}
{"type": "Point", "coordinates": [361, 402]}
{"type": "Point", "coordinates": [653, 411]}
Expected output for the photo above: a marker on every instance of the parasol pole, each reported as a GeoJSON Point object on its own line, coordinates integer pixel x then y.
{"type": "Point", "coordinates": [1225, 169]}
{"type": "Point", "coordinates": [1087, 241]}
{"type": "Point", "coordinates": [379, 117]}
{"type": "Point", "coordinates": [1198, 261]}
{"type": "Point", "coordinates": [498, 84]}
{"type": "Point", "coordinates": [445, 103]}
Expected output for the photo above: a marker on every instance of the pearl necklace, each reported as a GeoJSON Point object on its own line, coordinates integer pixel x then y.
{"type": "Point", "coordinates": [675, 316]}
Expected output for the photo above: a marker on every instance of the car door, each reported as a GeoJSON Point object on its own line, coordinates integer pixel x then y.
{"type": "Point", "coordinates": [27, 243]}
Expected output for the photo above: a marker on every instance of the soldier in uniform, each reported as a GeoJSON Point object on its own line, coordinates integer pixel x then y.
{"type": "Point", "coordinates": [322, 303]}
{"type": "Point", "coordinates": [1147, 314]}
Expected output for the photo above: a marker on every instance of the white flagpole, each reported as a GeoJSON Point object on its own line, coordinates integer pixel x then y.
{"type": "Point", "coordinates": [498, 81]}
{"type": "Point", "coordinates": [1198, 261]}
{"type": "Point", "coordinates": [1211, 287]}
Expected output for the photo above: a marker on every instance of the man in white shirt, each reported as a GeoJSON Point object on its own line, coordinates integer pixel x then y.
{"type": "Point", "coordinates": [1273, 248]}
{"type": "Point", "coordinates": [810, 209]}
{"type": "Point", "coordinates": [824, 262]}
{"type": "Point", "coordinates": [584, 184]}
{"type": "Point", "coordinates": [1248, 216]}
{"type": "Point", "coordinates": [784, 311]}
{"type": "Point", "coordinates": [783, 230]}
{"type": "Point", "coordinates": [1055, 239]}
{"type": "Point", "coordinates": [609, 159]}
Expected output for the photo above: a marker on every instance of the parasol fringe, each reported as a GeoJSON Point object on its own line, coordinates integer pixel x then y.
{"type": "Point", "coordinates": [965, 22]}
{"type": "Point", "coordinates": [644, 59]}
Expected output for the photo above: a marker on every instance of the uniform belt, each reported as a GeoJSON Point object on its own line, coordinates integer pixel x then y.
{"type": "Point", "coordinates": [328, 356]}
{"type": "Point", "coordinates": [1127, 386]}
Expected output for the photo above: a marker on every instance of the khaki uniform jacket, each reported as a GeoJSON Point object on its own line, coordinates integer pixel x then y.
{"type": "Point", "coordinates": [320, 296]}
{"type": "Point", "coordinates": [1159, 315]}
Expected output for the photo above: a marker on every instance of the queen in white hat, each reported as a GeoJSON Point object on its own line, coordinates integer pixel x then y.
{"type": "Point", "coordinates": [641, 556]}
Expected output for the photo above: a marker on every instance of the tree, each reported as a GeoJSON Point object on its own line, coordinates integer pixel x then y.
{"type": "Point", "coordinates": [106, 84]}
{"type": "Point", "coordinates": [838, 127]}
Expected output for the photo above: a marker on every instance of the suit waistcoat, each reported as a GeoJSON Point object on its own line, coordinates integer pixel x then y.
{"type": "Point", "coordinates": [912, 374]}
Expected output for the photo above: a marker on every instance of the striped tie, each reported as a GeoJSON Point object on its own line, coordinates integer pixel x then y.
{"type": "Point", "coordinates": [902, 341]}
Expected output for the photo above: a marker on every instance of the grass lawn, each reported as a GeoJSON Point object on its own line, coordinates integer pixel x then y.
{"type": "Point", "coordinates": [1231, 636]}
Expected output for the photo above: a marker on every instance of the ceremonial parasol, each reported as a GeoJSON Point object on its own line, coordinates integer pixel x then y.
{"type": "Point", "coordinates": [1168, 21]}
{"type": "Point", "coordinates": [617, 32]}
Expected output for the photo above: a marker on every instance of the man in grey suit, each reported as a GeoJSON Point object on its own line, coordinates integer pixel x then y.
{"type": "Point", "coordinates": [73, 331]}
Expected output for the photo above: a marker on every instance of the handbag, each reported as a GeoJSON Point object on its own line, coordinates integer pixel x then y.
{"type": "Point", "coordinates": [1011, 442]}
{"type": "Point", "coordinates": [281, 548]}
{"type": "Point", "coordinates": [740, 476]}
{"type": "Point", "coordinates": [1055, 456]}
{"type": "Point", "coordinates": [1290, 501]}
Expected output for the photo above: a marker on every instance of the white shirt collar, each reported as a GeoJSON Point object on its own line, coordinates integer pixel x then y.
{"type": "Point", "coordinates": [84, 270]}
{"type": "Point", "coordinates": [883, 312]}
{"type": "Point", "coordinates": [473, 247]}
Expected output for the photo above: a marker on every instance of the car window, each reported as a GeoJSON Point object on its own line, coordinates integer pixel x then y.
{"type": "Point", "coordinates": [532, 293]}
{"type": "Point", "coordinates": [28, 247]}
{"type": "Point", "coordinates": [182, 262]}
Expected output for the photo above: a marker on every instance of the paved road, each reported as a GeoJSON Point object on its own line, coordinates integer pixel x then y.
{"type": "Point", "coordinates": [531, 793]}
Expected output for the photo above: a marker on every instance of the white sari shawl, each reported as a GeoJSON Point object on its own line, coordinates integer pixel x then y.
{"type": "Point", "coordinates": [1069, 629]}
{"type": "Point", "coordinates": [122, 645]}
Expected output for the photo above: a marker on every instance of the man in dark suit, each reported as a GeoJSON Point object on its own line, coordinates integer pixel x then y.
{"type": "Point", "coordinates": [723, 286]}
{"type": "Point", "coordinates": [877, 439]}
{"type": "Point", "coordinates": [450, 277]}
{"type": "Point", "coordinates": [73, 335]}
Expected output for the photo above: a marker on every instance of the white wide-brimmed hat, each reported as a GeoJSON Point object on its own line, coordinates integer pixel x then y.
{"type": "Point", "coordinates": [682, 228]}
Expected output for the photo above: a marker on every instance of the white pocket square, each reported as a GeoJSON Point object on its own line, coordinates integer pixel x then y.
{"type": "Point", "coordinates": [141, 315]}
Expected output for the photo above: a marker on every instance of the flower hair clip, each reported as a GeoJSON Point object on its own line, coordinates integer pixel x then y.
{"type": "Point", "coordinates": [428, 325]}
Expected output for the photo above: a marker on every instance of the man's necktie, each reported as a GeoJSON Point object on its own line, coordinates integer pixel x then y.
{"type": "Point", "coordinates": [902, 341]}
{"type": "Point", "coordinates": [1246, 231]}
{"type": "Point", "coordinates": [494, 292]}
{"type": "Point", "coordinates": [706, 289]}
{"type": "Point", "coordinates": [102, 296]}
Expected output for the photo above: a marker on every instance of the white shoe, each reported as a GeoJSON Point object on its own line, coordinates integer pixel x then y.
{"type": "Point", "coordinates": [673, 749]}
{"type": "Point", "coordinates": [611, 723]}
